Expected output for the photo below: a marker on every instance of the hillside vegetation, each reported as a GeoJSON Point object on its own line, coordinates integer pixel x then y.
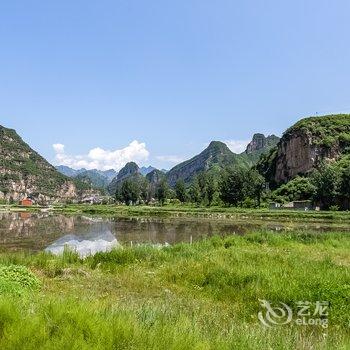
{"type": "Point", "coordinates": [325, 130]}
{"type": "Point", "coordinates": [218, 155]}
{"type": "Point", "coordinates": [24, 172]}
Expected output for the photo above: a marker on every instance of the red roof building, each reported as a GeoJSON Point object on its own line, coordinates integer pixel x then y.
{"type": "Point", "coordinates": [27, 202]}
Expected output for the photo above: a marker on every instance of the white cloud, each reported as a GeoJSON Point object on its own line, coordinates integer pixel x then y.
{"type": "Point", "coordinates": [170, 159]}
{"type": "Point", "coordinates": [101, 159]}
{"type": "Point", "coordinates": [237, 146]}
{"type": "Point", "coordinates": [58, 147]}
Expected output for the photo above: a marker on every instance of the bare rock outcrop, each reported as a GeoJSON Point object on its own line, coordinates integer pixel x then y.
{"type": "Point", "coordinates": [305, 146]}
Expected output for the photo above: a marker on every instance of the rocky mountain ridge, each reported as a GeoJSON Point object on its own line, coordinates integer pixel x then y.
{"type": "Point", "coordinates": [130, 170]}
{"type": "Point", "coordinates": [23, 172]}
{"type": "Point", "coordinates": [261, 143]}
{"type": "Point", "coordinates": [109, 175]}
{"type": "Point", "coordinates": [97, 178]}
{"type": "Point", "coordinates": [305, 145]}
{"type": "Point", "coordinates": [218, 154]}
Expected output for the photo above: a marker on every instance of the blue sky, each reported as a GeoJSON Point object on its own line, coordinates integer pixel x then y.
{"type": "Point", "coordinates": [95, 76]}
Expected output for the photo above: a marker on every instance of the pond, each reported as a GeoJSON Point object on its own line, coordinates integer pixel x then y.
{"type": "Point", "coordinates": [87, 235]}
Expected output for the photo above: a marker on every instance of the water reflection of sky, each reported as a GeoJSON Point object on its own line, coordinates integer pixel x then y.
{"type": "Point", "coordinates": [84, 244]}
{"type": "Point", "coordinates": [86, 235]}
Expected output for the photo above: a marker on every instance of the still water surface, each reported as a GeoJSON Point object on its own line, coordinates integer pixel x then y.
{"type": "Point", "coordinates": [87, 235]}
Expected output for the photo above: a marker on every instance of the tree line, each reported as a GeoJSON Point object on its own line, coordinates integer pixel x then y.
{"type": "Point", "coordinates": [328, 187]}
{"type": "Point", "coordinates": [229, 186]}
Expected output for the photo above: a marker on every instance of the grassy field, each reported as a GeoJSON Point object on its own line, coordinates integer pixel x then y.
{"type": "Point", "coordinates": [200, 296]}
{"type": "Point", "coordinates": [193, 211]}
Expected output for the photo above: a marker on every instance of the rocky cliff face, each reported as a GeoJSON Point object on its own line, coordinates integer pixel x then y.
{"type": "Point", "coordinates": [155, 176]}
{"type": "Point", "coordinates": [146, 170]}
{"type": "Point", "coordinates": [23, 172]}
{"type": "Point", "coordinates": [261, 143]}
{"type": "Point", "coordinates": [305, 145]}
{"type": "Point", "coordinates": [298, 154]}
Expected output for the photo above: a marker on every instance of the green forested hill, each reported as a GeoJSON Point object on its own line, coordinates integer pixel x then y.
{"type": "Point", "coordinates": [325, 130]}
{"type": "Point", "coordinates": [218, 155]}
{"type": "Point", "coordinates": [24, 172]}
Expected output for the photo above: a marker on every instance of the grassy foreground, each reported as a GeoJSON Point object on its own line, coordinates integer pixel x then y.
{"type": "Point", "coordinates": [200, 296]}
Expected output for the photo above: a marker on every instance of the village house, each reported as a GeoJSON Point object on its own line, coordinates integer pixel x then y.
{"type": "Point", "coordinates": [27, 202]}
{"type": "Point", "coordinates": [296, 205]}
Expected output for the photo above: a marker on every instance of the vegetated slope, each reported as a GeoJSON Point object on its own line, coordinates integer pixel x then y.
{"type": "Point", "coordinates": [24, 172]}
{"type": "Point", "coordinates": [155, 176]}
{"type": "Point", "coordinates": [219, 155]}
{"type": "Point", "coordinates": [305, 146]}
{"type": "Point", "coordinates": [94, 178]}
{"type": "Point", "coordinates": [130, 169]}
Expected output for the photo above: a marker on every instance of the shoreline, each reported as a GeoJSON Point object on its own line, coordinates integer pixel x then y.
{"type": "Point", "coordinates": [226, 213]}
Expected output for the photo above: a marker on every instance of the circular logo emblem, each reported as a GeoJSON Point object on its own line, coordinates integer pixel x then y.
{"type": "Point", "coordinates": [275, 315]}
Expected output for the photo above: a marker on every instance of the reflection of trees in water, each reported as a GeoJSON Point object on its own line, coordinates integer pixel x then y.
{"type": "Point", "coordinates": [36, 231]}
{"type": "Point", "coordinates": [19, 225]}
{"type": "Point", "coordinates": [171, 230]}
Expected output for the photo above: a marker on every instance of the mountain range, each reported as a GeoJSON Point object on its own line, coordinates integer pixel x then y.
{"type": "Point", "coordinates": [216, 154]}
{"type": "Point", "coordinates": [97, 178]}
{"type": "Point", "coordinates": [305, 145]}
{"type": "Point", "coordinates": [65, 170]}
{"type": "Point", "coordinates": [219, 155]}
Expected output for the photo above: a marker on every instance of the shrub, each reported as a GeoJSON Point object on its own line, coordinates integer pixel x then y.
{"type": "Point", "coordinates": [299, 188]}
{"type": "Point", "coordinates": [334, 208]}
{"type": "Point", "coordinates": [16, 279]}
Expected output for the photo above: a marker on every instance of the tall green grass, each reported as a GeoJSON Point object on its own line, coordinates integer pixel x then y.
{"type": "Point", "coordinates": [200, 296]}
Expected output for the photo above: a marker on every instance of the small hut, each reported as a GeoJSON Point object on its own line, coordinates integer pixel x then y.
{"type": "Point", "coordinates": [27, 202]}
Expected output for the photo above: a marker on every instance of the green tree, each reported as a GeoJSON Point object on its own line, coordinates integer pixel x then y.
{"type": "Point", "coordinates": [254, 185]}
{"type": "Point", "coordinates": [345, 187]}
{"type": "Point", "coordinates": [326, 181]}
{"type": "Point", "coordinates": [129, 191]}
{"type": "Point", "coordinates": [180, 191]}
{"type": "Point", "coordinates": [202, 182]}
{"type": "Point", "coordinates": [195, 191]}
{"type": "Point", "coordinates": [345, 182]}
{"type": "Point", "coordinates": [211, 188]}
{"type": "Point", "coordinates": [162, 191]}
{"type": "Point", "coordinates": [232, 186]}
{"type": "Point", "coordinates": [144, 187]}
{"type": "Point", "coordinates": [299, 188]}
